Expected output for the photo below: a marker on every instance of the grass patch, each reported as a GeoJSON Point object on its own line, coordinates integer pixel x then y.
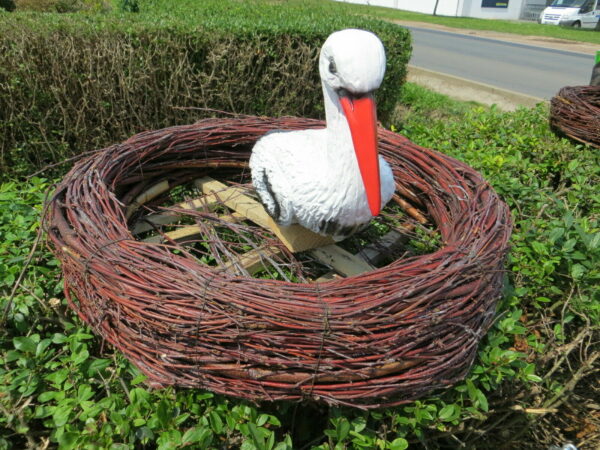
{"type": "Point", "coordinates": [416, 101]}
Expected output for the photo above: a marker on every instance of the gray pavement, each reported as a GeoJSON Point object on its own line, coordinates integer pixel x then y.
{"type": "Point", "coordinates": [527, 69]}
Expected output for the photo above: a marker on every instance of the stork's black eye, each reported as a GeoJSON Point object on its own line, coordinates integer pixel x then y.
{"type": "Point", "coordinates": [332, 67]}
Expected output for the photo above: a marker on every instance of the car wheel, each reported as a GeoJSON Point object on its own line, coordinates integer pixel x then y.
{"type": "Point", "coordinates": [577, 24]}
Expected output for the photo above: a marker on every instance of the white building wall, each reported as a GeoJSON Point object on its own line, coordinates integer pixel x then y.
{"type": "Point", "coordinates": [422, 6]}
{"type": "Point", "coordinates": [449, 7]}
{"type": "Point", "coordinates": [465, 8]}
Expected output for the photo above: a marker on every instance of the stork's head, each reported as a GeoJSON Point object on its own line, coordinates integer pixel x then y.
{"type": "Point", "coordinates": [352, 65]}
{"type": "Point", "coordinates": [353, 61]}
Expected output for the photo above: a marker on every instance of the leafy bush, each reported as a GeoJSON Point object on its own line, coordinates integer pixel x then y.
{"type": "Point", "coordinates": [531, 386]}
{"type": "Point", "coordinates": [73, 83]}
{"type": "Point", "coordinates": [553, 290]}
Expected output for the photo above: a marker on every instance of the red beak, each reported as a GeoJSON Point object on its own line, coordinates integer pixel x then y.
{"type": "Point", "coordinates": [362, 119]}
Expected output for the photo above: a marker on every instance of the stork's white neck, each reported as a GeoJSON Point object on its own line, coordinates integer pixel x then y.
{"type": "Point", "coordinates": [339, 140]}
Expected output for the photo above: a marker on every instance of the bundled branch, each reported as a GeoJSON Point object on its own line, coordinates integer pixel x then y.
{"type": "Point", "coordinates": [380, 338]}
{"type": "Point", "coordinates": [575, 111]}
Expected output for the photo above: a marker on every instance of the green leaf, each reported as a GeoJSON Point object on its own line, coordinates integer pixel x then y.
{"type": "Point", "coordinates": [556, 234]}
{"type": "Point", "coordinates": [262, 419]}
{"type": "Point", "coordinates": [139, 397]}
{"type": "Point", "coordinates": [163, 413]}
{"type": "Point", "coordinates": [42, 346]}
{"type": "Point", "coordinates": [558, 332]}
{"type": "Point", "coordinates": [139, 422]}
{"type": "Point", "coordinates": [25, 344]}
{"type": "Point", "coordinates": [58, 338]}
{"type": "Point", "coordinates": [97, 365]}
{"type": "Point", "coordinates": [448, 413]}
{"type": "Point", "coordinates": [257, 435]}
{"type": "Point", "coordinates": [84, 392]}
{"type": "Point", "coordinates": [569, 245]}
{"type": "Point", "coordinates": [169, 440]}
{"type": "Point", "coordinates": [270, 441]}
{"type": "Point", "coordinates": [342, 428]}
{"type": "Point", "coordinates": [534, 377]}
{"type": "Point", "coordinates": [68, 440]}
{"type": "Point", "coordinates": [471, 390]}
{"type": "Point", "coordinates": [203, 396]}
{"type": "Point", "coordinates": [399, 444]}
{"type": "Point", "coordinates": [61, 414]}
{"type": "Point", "coordinates": [13, 355]}
{"type": "Point", "coordinates": [539, 248]}
{"type": "Point", "coordinates": [138, 379]}
{"type": "Point", "coordinates": [215, 422]}
{"type": "Point", "coordinates": [594, 242]}
{"type": "Point", "coordinates": [359, 424]}
{"type": "Point", "coordinates": [79, 357]}
{"type": "Point", "coordinates": [573, 165]}
{"type": "Point", "coordinates": [182, 418]}
{"type": "Point", "coordinates": [197, 434]}
{"type": "Point", "coordinates": [482, 399]}
{"type": "Point", "coordinates": [144, 433]}
{"type": "Point", "coordinates": [274, 421]}
{"type": "Point", "coordinates": [577, 271]}
{"type": "Point", "coordinates": [47, 396]}
{"type": "Point", "coordinates": [283, 446]}
{"type": "Point", "coordinates": [58, 376]}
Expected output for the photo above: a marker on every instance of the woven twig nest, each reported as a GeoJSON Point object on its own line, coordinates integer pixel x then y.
{"type": "Point", "coordinates": [575, 111]}
{"type": "Point", "coordinates": [380, 338]}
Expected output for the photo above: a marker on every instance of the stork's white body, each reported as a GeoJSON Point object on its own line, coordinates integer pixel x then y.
{"type": "Point", "coordinates": [312, 177]}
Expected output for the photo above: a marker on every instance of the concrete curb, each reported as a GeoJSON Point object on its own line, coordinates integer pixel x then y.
{"type": "Point", "coordinates": [467, 90]}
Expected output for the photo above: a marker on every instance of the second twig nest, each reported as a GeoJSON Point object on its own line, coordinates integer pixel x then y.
{"type": "Point", "coordinates": [575, 111]}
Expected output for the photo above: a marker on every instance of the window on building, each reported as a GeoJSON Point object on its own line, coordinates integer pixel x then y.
{"type": "Point", "coordinates": [494, 3]}
{"type": "Point", "coordinates": [569, 3]}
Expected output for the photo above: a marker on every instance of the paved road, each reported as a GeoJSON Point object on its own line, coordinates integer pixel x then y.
{"type": "Point", "coordinates": [527, 69]}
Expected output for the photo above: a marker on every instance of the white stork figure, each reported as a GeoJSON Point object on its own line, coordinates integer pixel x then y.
{"type": "Point", "coordinates": [332, 180]}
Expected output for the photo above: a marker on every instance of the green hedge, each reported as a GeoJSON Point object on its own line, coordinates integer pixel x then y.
{"type": "Point", "coordinates": [72, 83]}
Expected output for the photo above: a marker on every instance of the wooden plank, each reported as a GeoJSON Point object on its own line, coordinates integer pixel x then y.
{"type": "Point", "coordinates": [146, 196]}
{"type": "Point", "coordinates": [372, 254]}
{"type": "Point", "coordinates": [153, 220]}
{"type": "Point", "coordinates": [254, 260]}
{"type": "Point", "coordinates": [295, 237]}
{"type": "Point", "coordinates": [329, 276]}
{"type": "Point", "coordinates": [188, 231]}
{"type": "Point", "coordinates": [341, 260]}
{"type": "Point", "coordinates": [176, 235]}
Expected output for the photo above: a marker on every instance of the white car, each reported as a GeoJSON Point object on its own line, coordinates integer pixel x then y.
{"type": "Point", "coordinates": [571, 13]}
